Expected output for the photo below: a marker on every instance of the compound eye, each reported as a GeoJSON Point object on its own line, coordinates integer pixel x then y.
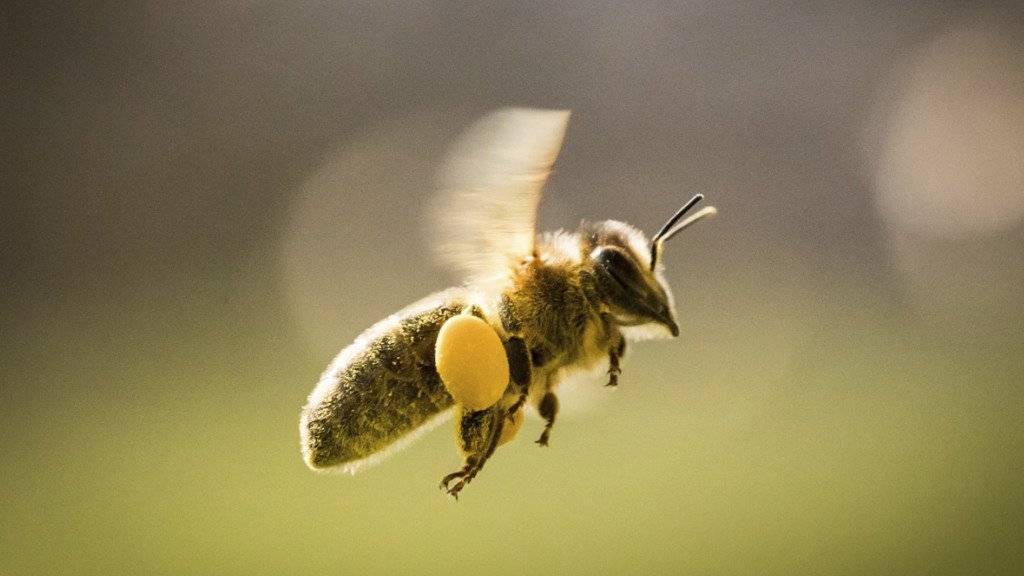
{"type": "Point", "coordinates": [620, 268]}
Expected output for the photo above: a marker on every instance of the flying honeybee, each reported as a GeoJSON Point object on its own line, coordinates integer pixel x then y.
{"type": "Point", "coordinates": [534, 308]}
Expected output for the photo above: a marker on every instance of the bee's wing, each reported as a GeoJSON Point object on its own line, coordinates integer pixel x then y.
{"type": "Point", "coordinates": [490, 185]}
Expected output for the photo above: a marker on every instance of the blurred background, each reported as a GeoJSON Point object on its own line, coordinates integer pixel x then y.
{"type": "Point", "coordinates": [202, 205]}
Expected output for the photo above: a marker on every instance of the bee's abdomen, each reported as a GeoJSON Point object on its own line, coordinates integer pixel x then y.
{"type": "Point", "coordinates": [387, 388]}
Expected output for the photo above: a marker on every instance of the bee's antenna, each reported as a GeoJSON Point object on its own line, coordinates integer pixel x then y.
{"type": "Point", "coordinates": [679, 214]}
{"type": "Point", "coordinates": [667, 231]}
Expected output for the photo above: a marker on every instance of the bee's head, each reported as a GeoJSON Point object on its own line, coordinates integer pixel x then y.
{"type": "Point", "coordinates": [629, 272]}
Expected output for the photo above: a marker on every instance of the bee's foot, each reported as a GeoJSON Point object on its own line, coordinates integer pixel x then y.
{"type": "Point", "coordinates": [454, 490]}
{"type": "Point", "coordinates": [543, 440]}
{"type": "Point", "coordinates": [448, 479]}
{"type": "Point", "coordinates": [613, 376]}
{"type": "Point", "coordinates": [463, 476]}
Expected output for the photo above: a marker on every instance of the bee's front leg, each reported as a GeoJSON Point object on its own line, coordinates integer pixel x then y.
{"type": "Point", "coordinates": [477, 435]}
{"type": "Point", "coordinates": [615, 353]}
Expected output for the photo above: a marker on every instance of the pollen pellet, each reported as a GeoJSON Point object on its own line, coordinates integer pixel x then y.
{"type": "Point", "coordinates": [471, 362]}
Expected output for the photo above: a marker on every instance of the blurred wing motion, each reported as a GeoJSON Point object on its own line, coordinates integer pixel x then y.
{"type": "Point", "coordinates": [490, 186]}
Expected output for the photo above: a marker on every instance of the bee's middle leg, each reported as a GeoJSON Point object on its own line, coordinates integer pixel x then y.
{"type": "Point", "coordinates": [519, 367]}
{"type": "Point", "coordinates": [548, 409]}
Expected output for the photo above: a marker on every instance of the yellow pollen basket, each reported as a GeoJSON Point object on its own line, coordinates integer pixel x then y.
{"type": "Point", "coordinates": [471, 362]}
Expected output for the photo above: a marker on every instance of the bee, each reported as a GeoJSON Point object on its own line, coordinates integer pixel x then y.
{"type": "Point", "coordinates": [555, 303]}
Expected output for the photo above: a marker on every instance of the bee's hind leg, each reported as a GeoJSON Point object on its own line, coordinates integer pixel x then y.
{"type": "Point", "coordinates": [478, 433]}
